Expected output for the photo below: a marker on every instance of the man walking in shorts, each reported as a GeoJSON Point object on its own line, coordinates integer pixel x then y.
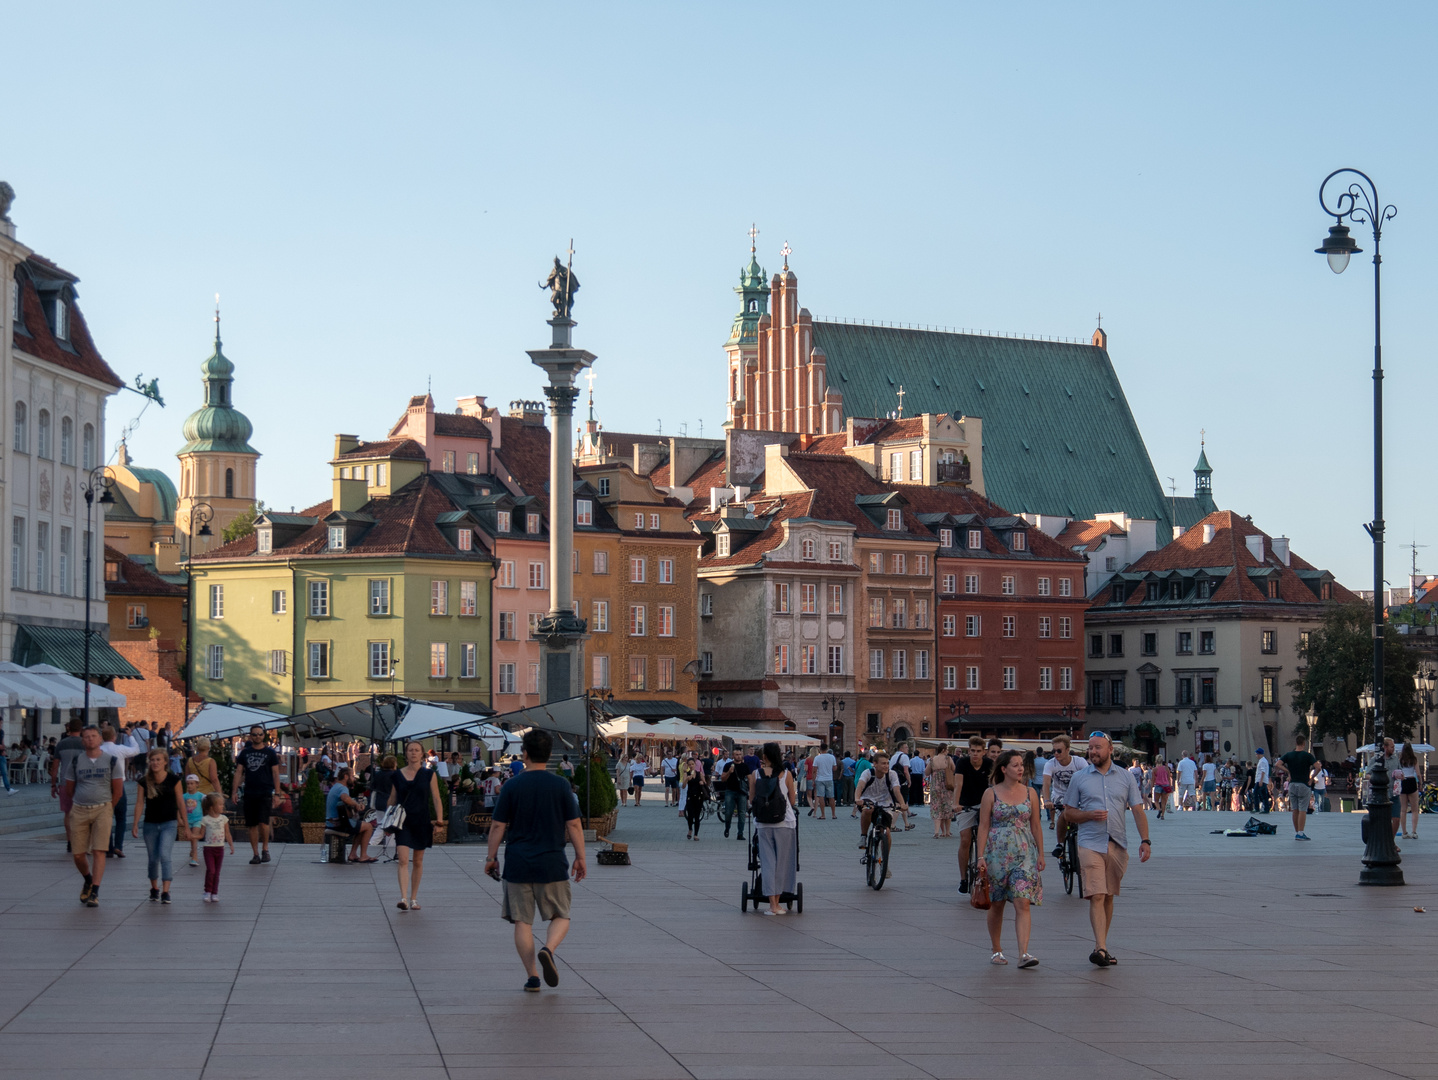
{"type": "Point", "coordinates": [824, 766]}
{"type": "Point", "coordinates": [259, 767]}
{"type": "Point", "coordinates": [94, 782]}
{"type": "Point", "coordinates": [1299, 763]}
{"type": "Point", "coordinates": [537, 811]}
{"type": "Point", "coordinates": [1098, 798]}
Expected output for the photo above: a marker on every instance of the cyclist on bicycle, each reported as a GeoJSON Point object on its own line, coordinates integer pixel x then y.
{"type": "Point", "coordinates": [878, 791]}
{"type": "Point", "coordinates": [1057, 774]}
{"type": "Point", "coordinates": [972, 775]}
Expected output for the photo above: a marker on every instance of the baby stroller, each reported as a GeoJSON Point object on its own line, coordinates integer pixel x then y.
{"type": "Point", "coordinates": [752, 891]}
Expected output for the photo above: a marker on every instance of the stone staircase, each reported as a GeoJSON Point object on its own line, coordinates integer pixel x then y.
{"type": "Point", "coordinates": [30, 812]}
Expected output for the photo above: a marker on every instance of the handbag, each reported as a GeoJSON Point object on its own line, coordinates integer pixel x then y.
{"type": "Point", "coordinates": [951, 780]}
{"type": "Point", "coordinates": [393, 819]}
{"type": "Point", "coordinates": [979, 891]}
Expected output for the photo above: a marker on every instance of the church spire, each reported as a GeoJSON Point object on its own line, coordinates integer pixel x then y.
{"type": "Point", "coordinates": [1203, 478]}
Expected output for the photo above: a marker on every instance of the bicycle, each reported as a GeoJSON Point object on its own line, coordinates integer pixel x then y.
{"type": "Point", "coordinates": [1069, 862]}
{"type": "Point", "coordinates": [876, 848]}
{"type": "Point", "coordinates": [971, 871]}
{"type": "Point", "coordinates": [1428, 800]}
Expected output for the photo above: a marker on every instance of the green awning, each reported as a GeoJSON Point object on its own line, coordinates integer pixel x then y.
{"type": "Point", "coordinates": [64, 647]}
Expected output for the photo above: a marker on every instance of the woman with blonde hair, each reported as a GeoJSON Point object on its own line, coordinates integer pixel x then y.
{"type": "Point", "coordinates": [160, 803]}
{"type": "Point", "coordinates": [203, 766]}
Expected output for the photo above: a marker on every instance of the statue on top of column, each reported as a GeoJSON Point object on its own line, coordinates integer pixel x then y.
{"type": "Point", "coordinates": [562, 285]}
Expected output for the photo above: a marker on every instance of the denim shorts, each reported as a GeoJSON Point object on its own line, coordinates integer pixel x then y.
{"type": "Point", "coordinates": [823, 789]}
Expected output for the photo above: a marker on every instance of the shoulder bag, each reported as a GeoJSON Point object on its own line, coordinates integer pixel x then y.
{"type": "Point", "coordinates": [393, 820]}
{"type": "Point", "coordinates": [979, 890]}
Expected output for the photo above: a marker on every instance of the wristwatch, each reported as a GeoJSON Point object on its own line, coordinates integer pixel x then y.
{"type": "Point", "coordinates": [1145, 841]}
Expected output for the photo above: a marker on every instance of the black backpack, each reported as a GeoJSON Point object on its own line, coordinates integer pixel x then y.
{"type": "Point", "coordinates": [770, 802]}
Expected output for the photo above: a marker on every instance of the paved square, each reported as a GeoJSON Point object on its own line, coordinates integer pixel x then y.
{"type": "Point", "coordinates": [1239, 957]}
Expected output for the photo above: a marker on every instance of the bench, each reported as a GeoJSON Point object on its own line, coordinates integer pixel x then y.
{"type": "Point", "coordinates": [335, 843]}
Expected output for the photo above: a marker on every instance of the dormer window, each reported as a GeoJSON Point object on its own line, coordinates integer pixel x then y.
{"type": "Point", "coordinates": [265, 541]}
{"type": "Point", "coordinates": [721, 544]}
{"type": "Point", "coordinates": [946, 538]}
{"type": "Point", "coordinates": [379, 473]}
{"type": "Point", "coordinates": [62, 320]}
{"type": "Point", "coordinates": [503, 523]}
{"type": "Point", "coordinates": [337, 538]}
{"type": "Point", "coordinates": [895, 520]}
{"type": "Point", "coordinates": [583, 512]}
{"type": "Point", "coordinates": [603, 486]}
{"type": "Point", "coordinates": [1020, 540]}
{"type": "Point", "coordinates": [807, 549]}
{"type": "Point", "coordinates": [466, 540]}
{"type": "Point", "coordinates": [976, 539]}
{"type": "Point", "coordinates": [531, 523]}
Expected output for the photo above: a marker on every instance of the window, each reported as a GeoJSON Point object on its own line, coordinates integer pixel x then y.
{"type": "Point", "coordinates": [1110, 564]}
{"type": "Point", "coordinates": [466, 539]}
{"type": "Point", "coordinates": [229, 483]}
{"type": "Point", "coordinates": [976, 539]}
{"type": "Point", "coordinates": [279, 662]}
{"type": "Point", "coordinates": [836, 599]}
{"type": "Point", "coordinates": [921, 664]}
{"type": "Point", "coordinates": [1184, 691]}
{"type": "Point", "coordinates": [636, 620]}
{"type": "Point", "coordinates": [1095, 645]}
{"type": "Point", "coordinates": [502, 521]}
{"type": "Point", "coordinates": [583, 512]}
{"type": "Point", "coordinates": [601, 562]}
{"type": "Point", "coordinates": [807, 550]}
{"type": "Point", "coordinates": [1044, 586]}
{"type": "Point", "coordinates": [62, 320]}
{"type": "Point", "coordinates": [264, 541]}
{"type": "Point", "coordinates": [215, 661]}
{"type": "Point", "coordinates": [1270, 641]}
{"type": "Point", "coordinates": [971, 584]}
{"type": "Point", "coordinates": [901, 613]}
{"type": "Point", "coordinates": [808, 599]}
{"type": "Point", "coordinates": [951, 626]}
{"type": "Point", "coordinates": [469, 598]}
{"type": "Point", "coordinates": [1010, 626]}
{"type": "Point", "coordinates": [112, 571]}
{"type": "Point", "coordinates": [379, 659]}
{"type": "Point", "coordinates": [1119, 593]}
{"type": "Point", "coordinates": [836, 551]}
{"type": "Point", "coordinates": [1065, 589]}
{"type": "Point", "coordinates": [946, 538]}
{"type": "Point", "coordinates": [666, 621]}
{"type": "Point", "coordinates": [636, 569]}
{"type": "Point", "coordinates": [448, 460]}
{"type": "Point", "coordinates": [665, 674]}
{"type": "Point", "coordinates": [781, 660]}
{"type": "Point", "coordinates": [1207, 690]}
{"type": "Point", "coordinates": [1006, 585]}
{"type": "Point", "coordinates": [639, 521]}
{"type": "Point", "coordinates": [42, 428]}
{"type": "Point", "coordinates": [1175, 590]}
{"type": "Point", "coordinates": [319, 598]}
{"type": "Point", "coordinates": [876, 562]}
{"type": "Point", "coordinates": [1066, 628]}
{"type": "Point", "coordinates": [1203, 589]}
{"type": "Point", "coordinates": [604, 493]}
{"type": "Point", "coordinates": [808, 660]}
{"type": "Point", "coordinates": [1115, 693]}
{"type": "Point", "coordinates": [379, 596]}
{"type": "Point", "coordinates": [279, 601]}
{"type": "Point", "coordinates": [1046, 678]}
{"type": "Point", "coordinates": [666, 571]}
{"type": "Point", "coordinates": [1268, 695]}
{"type": "Point", "coordinates": [1044, 626]}
{"type": "Point", "coordinates": [536, 574]}
{"type": "Point", "coordinates": [135, 617]}
{"type": "Point", "coordinates": [1150, 692]}
{"type": "Point", "coordinates": [217, 601]}
{"type": "Point", "coordinates": [921, 565]}
{"type": "Point", "coordinates": [897, 564]}
{"type": "Point", "coordinates": [319, 654]}
{"type": "Point", "coordinates": [876, 611]}
{"type": "Point", "coordinates": [1095, 696]}
{"type": "Point", "coordinates": [951, 677]}
{"type": "Point", "coordinates": [781, 598]}
{"type": "Point", "coordinates": [1115, 644]}
{"type": "Point", "coordinates": [1066, 678]}
{"type": "Point", "coordinates": [1011, 678]}
{"type": "Point", "coordinates": [67, 441]}
{"type": "Point", "coordinates": [654, 521]}
{"type": "Point", "coordinates": [638, 671]}
{"type": "Point", "coordinates": [1020, 540]}
{"type": "Point", "coordinates": [439, 659]}
{"type": "Point", "coordinates": [1205, 642]}
{"type": "Point", "coordinates": [921, 613]}
{"type": "Point", "coordinates": [65, 544]}
{"type": "Point", "coordinates": [1149, 645]}
{"type": "Point", "coordinates": [337, 538]}
{"type": "Point", "coordinates": [971, 677]}
{"type": "Point", "coordinates": [1185, 642]}
{"type": "Point", "coordinates": [706, 663]}
{"type": "Point", "coordinates": [506, 626]}
{"type": "Point", "coordinates": [876, 663]}
{"type": "Point", "coordinates": [506, 574]}
{"type": "Point", "coordinates": [531, 524]}
{"type": "Point", "coordinates": [916, 465]}
{"type": "Point", "coordinates": [439, 597]}
{"type": "Point", "coordinates": [471, 465]}
{"type": "Point", "coordinates": [1303, 642]}
{"type": "Point", "coordinates": [1325, 591]}
{"type": "Point", "coordinates": [1273, 589]}
{"type": "Point", "coordinates": [894, 521]}
{"type": "Point", "coordinates": [600, 621]}
{"type": "Point", "coordinates": [950, 583]}
{"type": "Point", "coordinates": [22, 433]}
{"type": "Point", "coordinates": [600, 672]}
{"type": "Point", "coordinates": [533, 620]}
{"type": "Point", "coordinates": [506, 679]}
{"type": "Point", "coordinates": [896, 466]}
{"type": "Point", "coordinates": [836, 659]}
{"type": "Point", "coordinates": [42, 556]}
{"type": "Point", "coordinates": [469, 658]}
{"type": "Point", "coordinates": [900, 662]}
{"type": "Point", "coordinates": [721, 544]}
{"type": "Point", "coordinates": [973, 626]}
{"type": "Point", "coordinates": [87, 447]}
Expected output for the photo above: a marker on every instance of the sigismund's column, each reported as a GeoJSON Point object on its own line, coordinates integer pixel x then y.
{"type": "Point", "coordinates": [561, 631]}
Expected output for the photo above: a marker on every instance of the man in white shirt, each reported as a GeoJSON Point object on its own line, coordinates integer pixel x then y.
{"type": "Point", "coordinates": [1187, 781]}
{"type": "Point", "coordinates": [1262, 778]}
{"type": "Point", "coordinates": [899, 766]}
{"type": "Point", "coordinates": [824, 766]}
{"type": "Point", "coordinates": [122, 748]}
{"type": "Point", "coordinates": [670, 766]}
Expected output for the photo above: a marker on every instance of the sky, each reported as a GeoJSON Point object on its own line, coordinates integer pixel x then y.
{"type": "Point", "coordinates": [375, 191]}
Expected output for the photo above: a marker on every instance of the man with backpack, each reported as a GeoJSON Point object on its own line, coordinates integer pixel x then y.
{"type": "Point", "coordinates": [879, 790]}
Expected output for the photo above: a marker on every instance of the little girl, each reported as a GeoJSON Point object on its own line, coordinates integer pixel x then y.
{"type": "Point", "coordinates": [217, 835]}
{"type": "Point", "coordinates": [193, 813]}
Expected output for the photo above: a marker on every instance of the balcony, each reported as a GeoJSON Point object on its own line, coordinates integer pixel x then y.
{"type": "Point", "coordinates": [954, 472]}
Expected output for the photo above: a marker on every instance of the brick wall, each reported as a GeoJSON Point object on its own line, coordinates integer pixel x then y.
{"type": "Point", "coordinates": [157, 698]}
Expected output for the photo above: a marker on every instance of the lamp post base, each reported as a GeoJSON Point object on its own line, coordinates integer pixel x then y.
{"type": "Point", "coordinates": [1380, 857]}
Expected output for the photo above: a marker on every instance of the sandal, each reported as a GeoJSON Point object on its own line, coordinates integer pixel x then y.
{"type": "Point", "coordinates": [1028, 961]}
{"type": "Point", "coordinates": [364, 860]}
{"type": "Point", "coordinates": [1101, 957]}
{"type": "Point", "coordinates": [414, 905]}
{"type": "Point", "coordinates": [403, 905]}
{"type": "Point", "coordinates": [998, 959]}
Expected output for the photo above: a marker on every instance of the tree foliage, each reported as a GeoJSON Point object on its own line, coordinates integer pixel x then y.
{"type": "Point", "coordinates": [604, 796]}
{"type": "Point", "coordinates": [244, 523]}
{"type": "Point", "coordinates": [1337, 667]}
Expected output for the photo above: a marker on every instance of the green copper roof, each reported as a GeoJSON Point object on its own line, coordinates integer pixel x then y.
{"type": "Point", "coordinates": [1058, 434]}
{"type": "Point", "coordinates": [1203, 466]}
{"type": "Point", "coordinates": [218, 426]}
{"type": "Point", "coordinates": [753, 290]}
{"type": "Point", "coordinates": [164, 487]}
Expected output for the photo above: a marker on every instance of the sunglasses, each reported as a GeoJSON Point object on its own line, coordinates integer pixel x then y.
{"type": "Point", "coordinates": [1099, 735]}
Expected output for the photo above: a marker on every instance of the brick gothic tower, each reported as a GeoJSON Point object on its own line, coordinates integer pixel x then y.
{"type": "Point", "coordinates": [777, 375]}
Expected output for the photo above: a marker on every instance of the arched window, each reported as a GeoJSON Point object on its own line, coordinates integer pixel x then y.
{"type": "Point", "coordinates": [229, 483]}
{"type": "Point", "coordinates": [22, 431]}
{"type": "Point", "coordinates": [42, 428]}
{"type": "Point", "coordinates": [67, 441]}
{"type": "Point", "coordinates": [87, 446]}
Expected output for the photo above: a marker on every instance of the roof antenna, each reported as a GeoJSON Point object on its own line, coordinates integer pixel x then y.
{"type": "Point", "coordinates": [1172, 504]}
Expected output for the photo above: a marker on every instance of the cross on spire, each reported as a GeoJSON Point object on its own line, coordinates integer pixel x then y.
{"type": "Point", "coordinates": [901, 401]}
{"type": "Point", "coordinates": [786, 251]}
{"type": "Point", "coordinates": [217, 320]}
{"type": "Point", "coordinates": [590, 376]}
{"type": "Point", "coordinates": [753, 238]}
{"type": "Point", "coordinates": [1201, 433]}
{"type": "Point", "coordinates": [1100, 320]}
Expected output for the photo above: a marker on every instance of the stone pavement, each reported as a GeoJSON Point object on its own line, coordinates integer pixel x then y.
{"type": "Point", "coordinates": [1238, 957]}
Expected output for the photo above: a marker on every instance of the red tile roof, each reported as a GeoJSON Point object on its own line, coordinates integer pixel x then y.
{"type": "Point", "coordinates": [524, 451]}
{"type": "Point", "coordinates": [458, 425]}
{"type": "Point", "coordinates": [827, 444]}
{"type": "Point", "coordinates": [708, 476]}
{"type": "Point", "coordinates": [778, 509]}
{"type": "Point", "coordinates": [836, 481]}
{"type": "Point", "coordinates": [943, 500]}
{"type": "Point", "coordinates": [388, 448]}
{"type": "Point", "coordinates": [660, 476]}
{"type": "Point", "coordinates": [136, 579]}
{"type": "Point", "coordinates": [1087, 532]}
{"type": "Point", "coordinates": [81, 357]}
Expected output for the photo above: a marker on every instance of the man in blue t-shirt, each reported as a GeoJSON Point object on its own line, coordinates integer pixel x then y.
{"type": "Point", "coordinates": [345, 814]}
{"type": "Point", "coordinates": [537, 812]}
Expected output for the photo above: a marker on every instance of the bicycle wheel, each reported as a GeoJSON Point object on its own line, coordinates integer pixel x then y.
{"type": "Point", "coordinates": [871, 859]}
{"type": "Point", "coordinates": [1068, 871]}
{"type": "Point", "coordinates": [883, 871]}
{"type": "Point", "coordinates": [972, 871]}
{"type": "Point", "coordinates": [1073, 859]}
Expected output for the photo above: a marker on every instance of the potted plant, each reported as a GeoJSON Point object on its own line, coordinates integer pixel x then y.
{"type": "Point", "coordinates": [598, 799]}
{"type": "Point", "coordinates": [312, 809]}
{"type": "Point", "coordinates": [441, 832]}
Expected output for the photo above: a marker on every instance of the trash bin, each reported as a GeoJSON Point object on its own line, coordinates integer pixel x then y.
{"type": "Point", "coordinates": [1346, 805]}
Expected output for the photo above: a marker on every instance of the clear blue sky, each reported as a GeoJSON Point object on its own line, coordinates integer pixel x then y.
{"type": "Point", "coordinates": [375, 190]}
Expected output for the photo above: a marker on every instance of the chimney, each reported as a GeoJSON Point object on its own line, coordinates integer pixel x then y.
{"type": "Point", "coordinates": [1255, 546]}
{"type": "Point", "coordinates": [345, 443]}
{"type": "Point", "coordinates": [1179, 530]}
{"type": "Point", "coordinates": [167, 555]}
{"type": "Point", "coordinates": [1280, 548]}
{"type": "Point", "coordinates": [531, 412]}
{"type": "Point", "coordinates": [1208, 531]}
{"type": "Point", "coordinates": [471, 406]}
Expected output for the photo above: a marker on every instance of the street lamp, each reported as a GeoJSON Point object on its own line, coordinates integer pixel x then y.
{"type": "Point", "coordinates": [204, 513]}
{"type": "Point", "coordinates": [1359, 203]}
{"type": "Point", "coordinates": [1426, 681]}
{"type": "Point", "coordinates": [100, 479]}
{"type": "Point", "coordinates": [1312, 717]}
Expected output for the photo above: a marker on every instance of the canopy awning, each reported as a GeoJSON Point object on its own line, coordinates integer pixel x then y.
{"type": "Point", "coordinates": [64, 648]}
{"type": "Point", "coordinates": [45, 687]}
{"type": "Point", "coordinates": [422, 720]}
{"type": "Point", "coordinates": [650, 710]}
{"type": "Point", "coordinates": [758, 736]}
{"type": "Point", "coordinates": [567, 715]}
{"type": "Point", "coordinates": [632, 727]}
{"type": "Point", "coordinates": [100, 697]}
{"type": "Point", "coordinates": [223, 721]}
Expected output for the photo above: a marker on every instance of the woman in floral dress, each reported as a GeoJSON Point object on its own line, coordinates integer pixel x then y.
{"type": "Point", "coordinates": [1011, 838]}
{"type": "Point", "coordinates": [940, 773]}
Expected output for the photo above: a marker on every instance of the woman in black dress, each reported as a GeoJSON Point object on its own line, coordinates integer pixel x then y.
{"type": "Point", "coordinates": [696, 792]}
{"type": "Point", "coordinates": [416, 788]}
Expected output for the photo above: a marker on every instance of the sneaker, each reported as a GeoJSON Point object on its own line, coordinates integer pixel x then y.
{"type": "Point", "coordinates": [214, 898]}
{"type": "Point", "coordinates": [154, 895]}
{"type": "Point", "coordinates": [194, 863]}
{"type": "Point", "coordinates": [1058, 852]}
{"type": "Point", "coordinates": [93, 900]}
{"type": "Point", "coordinates": [255, 861]}
{"type": "Point", "coordinates": [266, 856]}
{"type": "Point", "coordinates": [85, 890]}
{"type": "Point", "coordinates": [548, 966]}
{"type": "Point", "coordinates": [1302, 836]}
{"type": "Point", "coordinates": [206, 898]}
{"type": "Point", "coordinates": [963, 886]}
{"type": "Point", "coordinates": [531, 985]}
{"type": "Point", "coordinates": [164, 898]}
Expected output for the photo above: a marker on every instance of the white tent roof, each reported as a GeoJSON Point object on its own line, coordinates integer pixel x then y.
{"type": "Point", "coordinates": [46, 687]}
{"type": "Point", "coordinates": [631, 727]}
{"type": "Point", "coordinates": [758, 736]}
{"type": "Point", "coordinates": [422, 721]}
{"type": "Point", "coordinates": [100, 697]}
{"type": "Point", "coordinates": [214, 720]}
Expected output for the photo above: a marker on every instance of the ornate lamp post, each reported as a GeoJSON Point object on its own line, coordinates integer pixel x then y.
{"type": "Point", "coordinates": [203, 513]}
{"type": "Point", "coordinates": [101, 480]}
{"type": "Point", "coordinates": [1359, 203]}
{"type": "Point", "coordinates": [1426, 681]}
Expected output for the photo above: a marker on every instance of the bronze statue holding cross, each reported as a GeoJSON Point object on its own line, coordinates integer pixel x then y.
{"type": "Point", "coordinates": [562, 285]}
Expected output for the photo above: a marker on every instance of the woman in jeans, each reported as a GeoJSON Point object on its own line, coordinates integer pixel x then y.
{"type": "Point", "coordinates": [160, 804]}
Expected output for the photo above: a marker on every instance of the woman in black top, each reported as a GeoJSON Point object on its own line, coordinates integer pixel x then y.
{"type": "Point", "coordinates": [161, 805]}
{"type": "Point", "coordinates": [416, 788]}
{"type": "Point", "coordinates": [695, 795]}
